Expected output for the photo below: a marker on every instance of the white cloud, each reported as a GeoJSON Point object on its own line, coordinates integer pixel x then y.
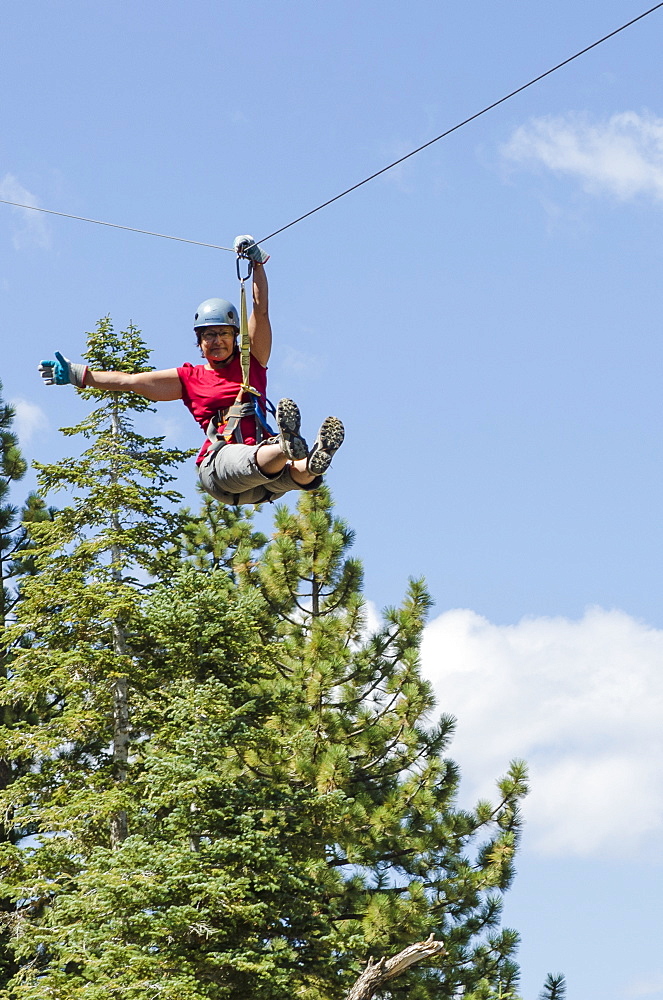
{"type": "Point", "coordinates": [295, 362]}
{"type": "Point", "coordinates": [622, 155]}
{"type": "Point", "coordinates": [374, 620]}
{"type": "Point", "coordinates": [33, 229]}
{"type": "Point", "coordinates": [400, 175]}
{"type": "Point", "coordinates": [651, 988]}
{"type": "Point", "coordinates": [171, 428]}
{"type": "Point", "coordinates": [581, 701]}
{"type": "Point", "coordinates": [29, 418]}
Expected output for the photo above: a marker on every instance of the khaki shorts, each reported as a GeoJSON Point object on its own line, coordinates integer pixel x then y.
{"type": "Point", "coordinates": [231, 474]}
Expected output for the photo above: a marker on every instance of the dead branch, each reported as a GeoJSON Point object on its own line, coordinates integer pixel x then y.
{"type": "Point", "coordinates": [377, 973]}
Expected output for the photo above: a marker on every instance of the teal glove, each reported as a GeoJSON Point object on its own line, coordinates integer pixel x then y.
{"type": "Point", "coordinates": [246, 246]}
{"type": "Point", "coordinates": [62, 372]}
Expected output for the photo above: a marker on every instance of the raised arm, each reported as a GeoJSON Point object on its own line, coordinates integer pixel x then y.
{"type": "Point", "coordinates": [157, 386]}
{"type": "Point", "coordinates": [260, 329]}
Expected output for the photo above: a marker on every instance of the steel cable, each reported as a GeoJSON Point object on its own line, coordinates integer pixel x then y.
{"type": "Point", "coordinates": [354, 187]}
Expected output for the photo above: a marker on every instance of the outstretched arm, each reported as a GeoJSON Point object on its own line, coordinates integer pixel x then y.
{"type": "Point", "coordinates": [161, 385]}
{"type": "Point", "coordinates": [157, 386]}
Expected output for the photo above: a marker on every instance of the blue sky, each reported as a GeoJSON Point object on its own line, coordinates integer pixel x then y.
{"type": "Point", "coordinates": [486, 319]}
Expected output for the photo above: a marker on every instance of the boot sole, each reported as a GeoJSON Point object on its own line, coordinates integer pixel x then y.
{"type": "Point", "coordinates": [329, 440]}
{"type": "Point", "coordinates": [289, 421]}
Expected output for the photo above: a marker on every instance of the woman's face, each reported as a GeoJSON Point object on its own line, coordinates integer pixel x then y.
{"type": "Point", "coordinates": [218, 343]}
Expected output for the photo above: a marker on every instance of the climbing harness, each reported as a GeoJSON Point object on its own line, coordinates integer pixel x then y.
{"type": "Point", "coordinates": [232, 416]}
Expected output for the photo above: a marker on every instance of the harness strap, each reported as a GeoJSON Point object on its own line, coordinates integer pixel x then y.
{"type": "Point", "coordinates": [245, 343]}
{"type": "Point", "coordinates": [232, 416]}
{"type": "Point", "coordinates": [232, 428]}
{"type": "Point", "coordinates": [261, 419]}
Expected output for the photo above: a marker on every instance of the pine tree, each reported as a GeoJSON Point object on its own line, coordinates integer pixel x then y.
{"type": "Point", "coordinates": [207, 896]}
{"type": "Point", "coordinates": [397, 860]}
{"type": "Point", "coordinates": [34, 511]}
{"type": "Point", "coordinates": [155, 866]}
{"type": "Point", "coordinates": [220, 537]}
{"type": "Point", "coordinates": [236, 790]}
{"type": "Point", "coordinates": [554, 987]}
{"type": "Point", "coordinates": [189, 898]}
{"type": "Point", "coordinates": [70, 637]}
{"type": "Point", "coordinates": [120, 525]}
{"type": "Point", "coordinates": [12, 470]}
{"type": "Point", "coordinates": [15, 562]}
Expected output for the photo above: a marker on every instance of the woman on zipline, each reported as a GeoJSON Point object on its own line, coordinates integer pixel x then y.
{"type": "Point", "coordinates": [242, 461]}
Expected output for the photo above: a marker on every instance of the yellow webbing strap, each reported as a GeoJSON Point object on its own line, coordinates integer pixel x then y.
{"type": "Point", "coordinates": [245, 344]}
{"type": "Point", "coordinates": [245, 356]}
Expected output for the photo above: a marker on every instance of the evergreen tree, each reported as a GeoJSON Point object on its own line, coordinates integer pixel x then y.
{"type": "Point", "coordinates": [14, 562]}
{"type": "Point", "coordinates": [12, 470]}
{"type": "Point", "coordinates": [397, 860]}
{"type": "Point", "coordinates": [155, 866]}
{"type": "Point", "coordinates": [554, 987]}
{"type": "Point", "coordinates": [13, 467]}
{"type": "Point", "coordinates": [208, 895]}
{"type": "Point", "coordinates": [236, 791]}
{"type": "Point", "coordinates": [73, 613]}
{"type": "Point", "coordinates": [220, 537]}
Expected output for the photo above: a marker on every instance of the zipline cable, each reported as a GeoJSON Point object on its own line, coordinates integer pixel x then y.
{"type": "Point", "coordinates": [114, 225]}
{"type": "Point", "coordinates": [455, 128]}
{"type": "Point", "coordinates": [390, 166]}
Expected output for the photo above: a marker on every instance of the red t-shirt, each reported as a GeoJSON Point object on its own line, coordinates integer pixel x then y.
{"type": "Point", "coordinates": [204, 391]}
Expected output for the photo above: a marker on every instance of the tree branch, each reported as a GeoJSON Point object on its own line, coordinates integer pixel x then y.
{"type": "Point", "coordinates": [377, 973]}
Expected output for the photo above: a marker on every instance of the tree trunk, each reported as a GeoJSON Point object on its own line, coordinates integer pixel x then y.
{"type": "Point", "coordinates": [6, 714]}
{"type": "Point", "coordinates": [315, 596]}
{"type": "Point", "coordinates": [118, 825]}
{"type": "Point", "coordinates": [376, 974]}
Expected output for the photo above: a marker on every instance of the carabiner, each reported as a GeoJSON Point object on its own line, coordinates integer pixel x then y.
{"type": "Point", "coordinates": [250, 270]}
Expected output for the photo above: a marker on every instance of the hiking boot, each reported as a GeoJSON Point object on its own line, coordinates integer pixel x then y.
{"type": "Point", "coordinates": [329, 440]}
{"type": "Point", "coordinates": [289, 421]}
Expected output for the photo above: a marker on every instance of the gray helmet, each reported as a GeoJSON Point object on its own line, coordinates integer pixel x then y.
{"type": "Point", "coordinates": [216, 312]}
